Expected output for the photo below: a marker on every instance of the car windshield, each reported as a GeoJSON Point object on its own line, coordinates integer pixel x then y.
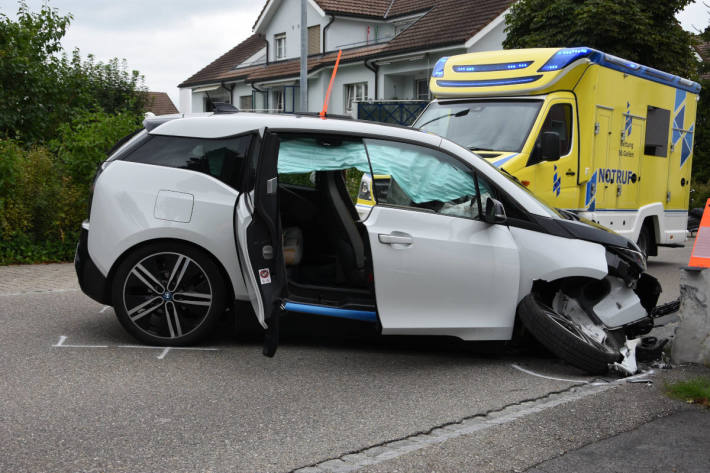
{"type": "Point", "coordinates": [484, 125]}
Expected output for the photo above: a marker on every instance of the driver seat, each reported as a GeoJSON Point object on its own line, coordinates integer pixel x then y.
{"type": "Point", "coordinates": [342, 228]}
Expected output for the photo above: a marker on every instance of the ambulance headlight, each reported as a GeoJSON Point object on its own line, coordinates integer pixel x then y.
{"type": "Point", "coordinates": [438, 70]}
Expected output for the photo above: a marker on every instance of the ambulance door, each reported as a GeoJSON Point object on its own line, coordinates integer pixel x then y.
{"type": "Point", "coordinates": [556, 181]}
{"type": "Point", "coordinates": [626, 175]}
{"type": "Point", "coordinates": [604, 194]}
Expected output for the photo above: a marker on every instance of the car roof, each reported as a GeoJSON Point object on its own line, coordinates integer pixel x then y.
{"type": "Point", "coordinates": [222, 126]}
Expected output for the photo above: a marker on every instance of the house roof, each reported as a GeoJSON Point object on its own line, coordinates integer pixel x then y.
{"type": "Point", "coordinates": [159, 103]}
{"type": "Point", "coordinates": [444, 23]}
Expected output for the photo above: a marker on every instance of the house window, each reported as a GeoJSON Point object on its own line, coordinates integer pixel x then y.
{"type": "Point", "coordinates": [421, 89]}
{"type": "Point", "coordinates": [313, 39]}
{"type": "Point", "coordinates": [278, 96]}
{"type": "Point", "coordinates": [246, 102]}
{"type": "Point", "coordinates": [354, 93]}
{"type": "Point", "coordinates": [280, 45]}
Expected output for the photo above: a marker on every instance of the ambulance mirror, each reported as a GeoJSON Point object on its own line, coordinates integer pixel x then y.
{"type": "Point", "coordinates": [550, 146]}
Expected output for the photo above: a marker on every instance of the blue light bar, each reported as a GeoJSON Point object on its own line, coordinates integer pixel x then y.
{"type": "Point", "coordinates": [438, 70]}
{"type": "Point", "coordinates": [487, 83]}
{"type": "Point", "coordinates": [565, 57]}
{"type": "Point", "coordinates": [508, 66]}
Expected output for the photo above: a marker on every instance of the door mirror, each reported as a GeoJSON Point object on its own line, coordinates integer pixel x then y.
{"type": "Point", "coordinates": [550, 146]}
{"type": "Point", "coordinates": [495, 213]}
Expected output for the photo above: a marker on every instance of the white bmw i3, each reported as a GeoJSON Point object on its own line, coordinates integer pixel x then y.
{"type": "Point", "coordinates": [192, 214]}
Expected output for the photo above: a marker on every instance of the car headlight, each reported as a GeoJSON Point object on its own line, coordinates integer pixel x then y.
{"type": "Point", "coordinates": [633, 256]}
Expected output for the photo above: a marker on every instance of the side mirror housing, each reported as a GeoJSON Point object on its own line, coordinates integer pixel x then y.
{"type": "Point", "coordinates": [495, 213]}
{"type": "Point", "coordinates": [550, 146]}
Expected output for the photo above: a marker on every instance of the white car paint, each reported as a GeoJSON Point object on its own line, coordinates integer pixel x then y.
{"type": "Point", "coordinates": [455, 278]}
{"type": "Point", "coordinates": [122, 215]}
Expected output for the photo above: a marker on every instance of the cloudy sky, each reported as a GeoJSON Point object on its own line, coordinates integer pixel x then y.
{"type": "Point", "coordinates": [169, 40]}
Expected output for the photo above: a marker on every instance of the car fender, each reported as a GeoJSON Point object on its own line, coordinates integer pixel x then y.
{"type": "Point", "coordinates": [123, 215]}
{"type": "Point", "coordinates": [548, 258]}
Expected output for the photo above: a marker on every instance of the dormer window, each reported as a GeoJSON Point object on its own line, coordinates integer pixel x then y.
{"type": "Point", "coordinates": [280, 46]}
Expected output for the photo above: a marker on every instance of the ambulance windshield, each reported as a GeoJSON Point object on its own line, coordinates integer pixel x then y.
{"type": "Point", "coordinates": [482, 125]}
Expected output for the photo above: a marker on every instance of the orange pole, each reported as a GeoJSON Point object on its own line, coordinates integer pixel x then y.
{"type": "Point", "coordinates": [330, 86]}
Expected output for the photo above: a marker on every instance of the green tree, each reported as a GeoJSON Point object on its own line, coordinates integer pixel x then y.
{"type": "Point", "coordinates": [40, 86]}
{"type": "Point", "coordinates": [645, 31]}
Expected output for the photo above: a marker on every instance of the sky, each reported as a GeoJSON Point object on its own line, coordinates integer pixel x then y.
{"type": "Point", "coordinates": [169, 40]}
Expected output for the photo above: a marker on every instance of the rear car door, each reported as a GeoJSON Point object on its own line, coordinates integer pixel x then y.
{"type": "Point", "coordinates": [438, 267]}
{"type": "Point", "coordinates": [258, 235]}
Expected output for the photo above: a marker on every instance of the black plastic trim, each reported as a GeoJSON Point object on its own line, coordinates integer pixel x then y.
{"type": "Point", "coordinates": [91, 281]}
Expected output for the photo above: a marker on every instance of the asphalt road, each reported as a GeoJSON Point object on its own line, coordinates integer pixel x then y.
{"type": "Point", "coordinates": [77, 394]}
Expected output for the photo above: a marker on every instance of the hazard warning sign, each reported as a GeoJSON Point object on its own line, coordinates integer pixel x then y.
{"type": "Point", "coordinates": [700, 257]}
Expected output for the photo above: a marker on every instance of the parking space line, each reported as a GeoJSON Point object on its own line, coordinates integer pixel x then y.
{"type": "Point", "coordinates": [532, 373]}
{"type": "Point", "coordinates": [61, 344]}
{"type": "Point", "coordinates": [165, 350]}
{"type": "Point", "coordinates": [106, 307]}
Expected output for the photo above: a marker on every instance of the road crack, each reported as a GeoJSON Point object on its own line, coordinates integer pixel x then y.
{"type": "Point", "coordinates": [390, 449]}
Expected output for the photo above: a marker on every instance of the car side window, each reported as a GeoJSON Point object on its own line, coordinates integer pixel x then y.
{"type": "Point", "coordinates": [558, 120]}
{"type": "Point", "coordinates": [421, 178]}
{"type": "Point", "coordinates": [220, 158]}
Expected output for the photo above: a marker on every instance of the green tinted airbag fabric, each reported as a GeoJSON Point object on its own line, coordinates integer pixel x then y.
{"type": "Point", "coordinates": [422, 178]}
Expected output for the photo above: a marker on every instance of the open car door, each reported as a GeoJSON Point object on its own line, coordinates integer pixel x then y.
{"type": "Point", "coordinates": [258, 235]}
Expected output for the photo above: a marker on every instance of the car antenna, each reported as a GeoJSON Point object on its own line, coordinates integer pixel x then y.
{"type": "Point", "coordinates": [324, 112]}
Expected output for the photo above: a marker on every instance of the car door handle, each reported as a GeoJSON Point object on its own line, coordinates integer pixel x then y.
{"type": "Point", "coordinates": [394, 239]}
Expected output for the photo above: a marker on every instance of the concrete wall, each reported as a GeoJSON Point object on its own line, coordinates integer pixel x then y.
{"type": "Point", "coordinates": [492, 41]}
{"type": "Point", "coordinates": [287, 19]}
{"type": "Point", "coordinates": [185, 100]}
{"type": "Point", "coordinates": [345, 33]}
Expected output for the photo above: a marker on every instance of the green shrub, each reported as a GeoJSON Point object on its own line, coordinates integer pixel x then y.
{"type": "Point", "coordinates": [695, 391]}
{"type": "Point", "coordinates": [699, 194]}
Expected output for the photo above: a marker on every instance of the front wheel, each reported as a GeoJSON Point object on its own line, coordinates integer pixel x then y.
{"type": "Point", "coordinates": [168, 294]}
{"type": "Point", "coordinates": [579, 342]}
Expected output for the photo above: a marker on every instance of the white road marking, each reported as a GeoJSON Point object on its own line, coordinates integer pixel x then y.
{"type": "Point", "coordinates": [532, 373]}
{"type": "Point", "coordinates": [165, 350]}
{"type": "Point", "coordinates": [163, 353]}
{"type": "Point", "coordinates": [106, 307]}
{"type": "Point", "coordinates": [61, 344]}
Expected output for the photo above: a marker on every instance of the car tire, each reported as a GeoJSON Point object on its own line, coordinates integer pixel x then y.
{"type": "Point", "coordinates": [542, 322]}
{"type": "Point", "coordinates": [168, 294]}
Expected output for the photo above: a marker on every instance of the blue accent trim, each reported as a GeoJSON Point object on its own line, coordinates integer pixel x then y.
{"type": "Point", "coordinates": [506, 66]}
{"type": "Point", "coordinates": [438, 70]}
{"type": "Point", "coordinates": [632, 210]}
{"type": "Point", "coordinates": [679, 98]}
{"type": "Point", "coordinates": [488, 82]}
{"type": "Point", "coordinates": [687, 148]}
{"type": "Point", "coordinates": [363, 315]}
{"type": "Point", "coordinates": [566, 56]}
{"type": "Point", "coordinates": [501, 162]}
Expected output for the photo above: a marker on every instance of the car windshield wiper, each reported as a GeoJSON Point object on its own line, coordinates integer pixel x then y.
{"type": "Point", "coordinates": [460, 113]}
{"type": "Point", "coordinates": [478, 148]}
{"type": "Point", "coordinates": [510, 175]}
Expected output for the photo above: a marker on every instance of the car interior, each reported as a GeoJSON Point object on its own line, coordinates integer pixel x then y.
{"type": "Point", "coordinates": [326, 248]}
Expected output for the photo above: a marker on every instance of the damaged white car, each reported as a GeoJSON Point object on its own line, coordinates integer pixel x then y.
{"type": "Point", "coordinates": [192, 214]}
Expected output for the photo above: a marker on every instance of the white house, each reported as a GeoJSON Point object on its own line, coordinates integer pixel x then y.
{"type": "Point", "coordinates": [388, 50]}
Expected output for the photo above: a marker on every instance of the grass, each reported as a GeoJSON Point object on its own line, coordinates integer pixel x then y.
{"type": "Point", "coordinates": [694, 391]}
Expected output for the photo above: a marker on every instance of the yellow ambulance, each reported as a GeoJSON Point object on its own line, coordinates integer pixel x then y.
{"type": "Point", "coordinates": [586, 131]}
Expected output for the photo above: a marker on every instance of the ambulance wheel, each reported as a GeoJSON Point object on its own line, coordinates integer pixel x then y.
{"type": "Point", "coordinates": [566, 337]}
{"type": "Point", "coordinates": [168, 294]}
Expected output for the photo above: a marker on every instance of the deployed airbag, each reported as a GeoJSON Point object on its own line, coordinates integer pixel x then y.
{"type": "Point", "coordinates": [423, 180]}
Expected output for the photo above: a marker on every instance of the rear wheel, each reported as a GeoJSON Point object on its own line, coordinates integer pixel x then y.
{"type": "Point", "coordinates": [569, 334]}
{"type": "Point", "coordinates": [168, 294]}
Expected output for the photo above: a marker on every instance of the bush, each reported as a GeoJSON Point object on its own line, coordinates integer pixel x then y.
{"type": "Point", "coordinates": [44, 192]}
{"type": "Point", "coordinates": [699, 194]}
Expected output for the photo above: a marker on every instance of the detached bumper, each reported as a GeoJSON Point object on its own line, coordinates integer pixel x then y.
{"type": "Point", "coordinates": [91, 281]}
